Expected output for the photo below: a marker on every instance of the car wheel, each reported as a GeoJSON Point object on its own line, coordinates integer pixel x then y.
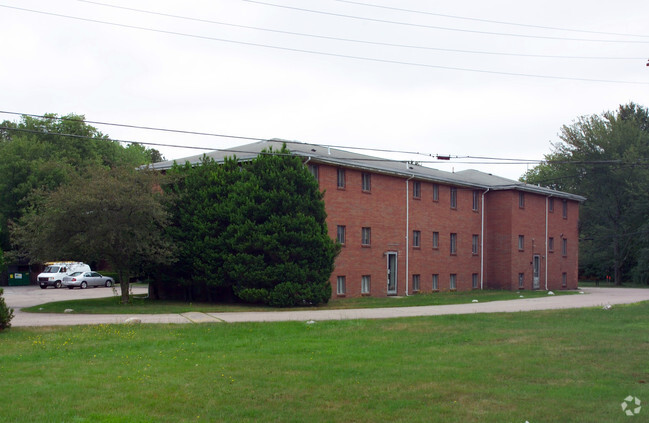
{"type": "Point", "coordinates": [43, 286]}
{"type": "Point", "coordinates": [109, 283]}
{"type": "Point", "coordinates": [84, 285]}
{"type": "Point", "coordinates": [57, 284]}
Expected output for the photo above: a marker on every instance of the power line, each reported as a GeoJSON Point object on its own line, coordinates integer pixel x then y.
{"type": "Point", "coordinates": [343, 56]}
{"type": "Point", "coordinates": [350, 40]}
{"type": "Point", "coordinates": [340, 15]}
{"type": "Point", "coordinates": [644, 162]}
{"type": "Point", "coordinates": [554, 28]}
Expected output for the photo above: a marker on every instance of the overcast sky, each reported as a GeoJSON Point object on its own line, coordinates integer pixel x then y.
{"type": "Point", "coordinates": [473, 78]}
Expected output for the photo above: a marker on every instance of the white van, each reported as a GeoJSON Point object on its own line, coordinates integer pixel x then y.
{"type": "Point", "coordinates": [54, 272]}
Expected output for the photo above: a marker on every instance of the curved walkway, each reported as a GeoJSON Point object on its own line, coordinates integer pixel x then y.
{"type": "Point", "coordinates": [18, 297]}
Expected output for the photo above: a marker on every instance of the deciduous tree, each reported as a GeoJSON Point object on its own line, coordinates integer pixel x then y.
{"type": "Point", "coordinates": [115, 215]}
{"type": "Point", "coordinates": [606, 159]}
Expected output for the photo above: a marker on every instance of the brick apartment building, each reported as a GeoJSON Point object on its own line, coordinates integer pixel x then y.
{"type": "Point", "coordinates": [406, 228]}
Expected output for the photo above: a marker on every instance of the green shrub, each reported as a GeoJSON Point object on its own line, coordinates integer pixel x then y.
{"type": "Point", "coordinates": [6, 313]}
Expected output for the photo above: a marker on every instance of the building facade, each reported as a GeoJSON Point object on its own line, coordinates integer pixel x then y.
{"type": "Point", "coordinates": [407, 229]}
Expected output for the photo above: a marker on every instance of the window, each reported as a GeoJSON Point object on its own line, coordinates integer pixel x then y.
{"type": "Point", "coordinates": [341, 178]}
{"type": "Point", "coordinates": [550, 244]}
{"type": "Point", "coordinates": [340, 286]}
{"type": "Point", "coordinates": [435, 192]}
{"type": "Point", "coordinates": [415, 282]}
{"type": "Point", "coordinates": [367, 182]}
{"type": "Point", "coordinates": [453, 244]}
{"type": "Point", "coordinates": [453, 198]}
{"type": "Point", "coordinates": [565, 209]}
{"type": "Point", "coordinates": [564, 279]}
{"type": "Point", "coordinates": [314, 171]}
{"type": "Point", "coordinates": [521, 242]}
{"type": "Point", "coordinates": [366, 236]}
{"type": "Point", "coordinates": [435, 240]}
{"type": "Point", "coordinates": [551, 205]}
{"type": "Point", "coordinates": [340, 234]}
{"type": "Point", "coordinates": [435, 282]}
{"type": "Point", "coordinates": [416, 189]}
{"type": "Point", "coordinates": [521, 280]}
{"type": "Point", "coordinates": [474, 281]}
{"type": "Point", "coordinates": [365, 284]}
{"type": "Point", "coordinates": [416, 239]}
{"type": "Point", "coordinates": [564, 247]}
{"type": "Point", "coordinates": [475, 244]}
{"type": "Point", "coordinates": [476, 200]}
{"type": "Point", "coordinates": [521, 200]}
{"type": "Point", "coordinates": [453, 281]}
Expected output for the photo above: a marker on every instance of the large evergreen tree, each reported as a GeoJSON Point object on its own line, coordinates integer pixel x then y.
{"type": "Point", "coordinates": [606, 159]}
{"type": "Point", "coordinates": [257, 228]}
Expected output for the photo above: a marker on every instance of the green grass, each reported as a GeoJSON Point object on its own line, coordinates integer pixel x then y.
{"type": "Point", "coordinates": [140, 304]}
{"type": "Point", "coordinates": [564, 366]}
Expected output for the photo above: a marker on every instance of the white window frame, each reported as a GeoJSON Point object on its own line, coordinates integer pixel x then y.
{"type": "Point", "coordinates": [341, 287]}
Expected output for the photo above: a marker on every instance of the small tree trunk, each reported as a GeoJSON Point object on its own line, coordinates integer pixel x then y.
{"type": "Point", "coordinates": [617, 263]}
{"type": "Point", "coordinates": [124, 285]}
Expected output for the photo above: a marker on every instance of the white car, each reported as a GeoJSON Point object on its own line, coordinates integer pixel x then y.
{"type": "Point", "coordinates": [86, 279]}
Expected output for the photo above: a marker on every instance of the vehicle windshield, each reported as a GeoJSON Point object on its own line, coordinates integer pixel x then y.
{"type": "Point", "coordinates": [51, 269]}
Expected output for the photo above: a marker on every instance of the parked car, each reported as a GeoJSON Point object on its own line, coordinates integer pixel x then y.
{"type": "Point", "coordinates": [55, 271]}
{"type": "Point", "coordinates": [86, 279]}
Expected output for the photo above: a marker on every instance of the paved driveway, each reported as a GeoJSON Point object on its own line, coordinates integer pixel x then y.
{"type": "Point", "coordinates": [18, 297]}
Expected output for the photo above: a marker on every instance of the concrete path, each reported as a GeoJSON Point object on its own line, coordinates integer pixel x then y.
{"type": "Point", "coordinates": [18, 297]}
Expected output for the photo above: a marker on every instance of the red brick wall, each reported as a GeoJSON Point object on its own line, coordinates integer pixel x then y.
{"type": "Point", "coordinates": [506, 220]}
{"type": "Point", "coordinates": [383, 209]}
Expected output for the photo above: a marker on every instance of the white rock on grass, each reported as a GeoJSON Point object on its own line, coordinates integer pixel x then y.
{"type": "Point", "coordinates": [132, 321]}
{"type": "Point", "coordinates": [310, 322]}
{"type": "Point", "coordinates": [474, 301]}
{"type": "Point", "coordinates": [550, 293]}
{"type": "Point", "coordinates": [68, 310]}
{"type": "Point", "coordinates": [607, 307]}
{"type": "Point", "coordinates": [520, 296]}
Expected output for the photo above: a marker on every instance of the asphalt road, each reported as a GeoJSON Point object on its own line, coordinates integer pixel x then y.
{"type": "Point", "coordinates": [26, 296]}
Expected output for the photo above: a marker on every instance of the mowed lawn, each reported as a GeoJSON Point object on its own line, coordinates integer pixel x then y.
{"type": "Point", "coordinates": [563, 366]}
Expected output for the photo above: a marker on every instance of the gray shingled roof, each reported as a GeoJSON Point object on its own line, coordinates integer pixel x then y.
{"type": "Point", "coordinates": [334, 156]}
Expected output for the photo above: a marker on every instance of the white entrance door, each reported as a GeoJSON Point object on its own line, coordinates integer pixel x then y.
{"type": "Point", "coordinates": [392, 273]}
{"type": "Point", "coordinates": [536, 270]}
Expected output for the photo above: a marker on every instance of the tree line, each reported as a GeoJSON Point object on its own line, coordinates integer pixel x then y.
{"type": "Point", "coordinates": [605, 158]}
{"type": "Point", "coordinates": [252, 232]}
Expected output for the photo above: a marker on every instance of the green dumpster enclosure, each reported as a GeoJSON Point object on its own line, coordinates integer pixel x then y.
{"type": "Point", "coordinates": [18, 274]}
{"type": "Point", "coordinates": [18, 278]}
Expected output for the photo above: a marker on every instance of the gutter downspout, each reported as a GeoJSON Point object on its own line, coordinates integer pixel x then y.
{"type": "Point", "coordinates": [547, 199]}
{"type": "Point", "coordinates": [407, 229]}
{"type": "Point", "coordinates": [482, 241]}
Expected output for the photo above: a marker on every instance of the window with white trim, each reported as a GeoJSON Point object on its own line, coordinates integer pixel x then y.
{"type": "Point", "coordinates": [435, 282]}
{"type": "Point", "coordinates": [365, 284]}
{"type": "Point", "coordinates": [415, 282]}
{"type": "Point", "coordinates": [435, 192]}
{"type": "Point", "coordinates": [453, 198]}
{"type": "Point", "coordinates": [453, 281]}
{"type": "Point", "coordinates": [474, 280]}
{"type": "Point", "coordinates": [367, 182]}
{"type": "Point", "coordinates": [436, 240]}
{"type": "Point", "coordinates": [416, 189]}
{"type": "Point", "coordinates": [340, 233]}
{"type": "Point", "coordinates": [416, 239]}
{"type": "Point", "coordinates": [521, 242]}
{"type": "Point", "coordinates": [366, 236]}
{"type": "Point", "coordinates": [341, 285]}
{"type": "Point", "coordinates": [453, 244]}
{"type": "Point", "coordinates": [475, 244]}
{"type": "Point", "coordinates": [341, 178]}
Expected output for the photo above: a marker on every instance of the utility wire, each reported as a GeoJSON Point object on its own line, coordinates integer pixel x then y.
{"type": "Point", "coordinates": [361, 159]}
{"type": "Point", "coordinates": [297, 50]}
{"type": "Point", "coordinates": [340, 15]}
{"type": "Point", "coordinates": [350, 40]}
{"type": "Point", "coordinates": [553, 28]}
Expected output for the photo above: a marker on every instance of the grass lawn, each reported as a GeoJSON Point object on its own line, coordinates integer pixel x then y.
{"type": "Point", "coordinates": [564, 366]}
{"type": "Point", "coordinates": [140, 304]}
